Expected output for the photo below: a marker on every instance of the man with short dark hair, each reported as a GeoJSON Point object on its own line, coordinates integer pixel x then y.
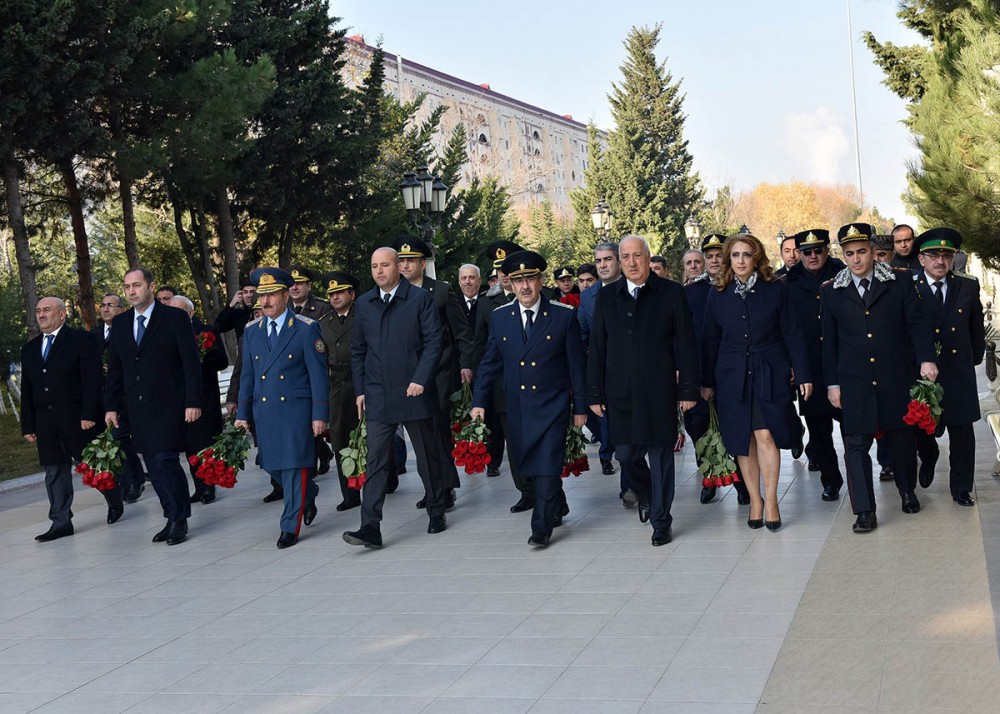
{"type": "Point", "coordinates": [902, 242]}
{"type": "Point", "coordinates": [789, 255]}
{"type": "Point", "coordinates": [165, 293]}
{"type": "Point", "coordinates": [565, 283]}
{"type": "Point", "coordinates": [586, 275]}
{"type": "Point", "coordinates": [239, 311]}
{"type": "Point", "coordinates": [658, 264]}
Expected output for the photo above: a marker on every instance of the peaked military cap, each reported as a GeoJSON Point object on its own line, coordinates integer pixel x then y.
{"type": "Point", "coordinates": [882, 241]}
{"type": "Point", "coordinates": [411, 247]}
{"type": "Point", "coordinates": [946, 239]}
{"type": "Point", "coordinates": [271, 280]}
{"type": "Point", "coordinates": [301, 274]}
{"type": "Point", "coordinates": [853, 232]}
{"type": "Point", "coordinates": [524, 263]}
{"type": "Point", "coordinates": [257, 306]}
{"type": "Point", "coordinates": [498, 250]}
{"type": "Point", "coordinates": [812, 238]}
{"type": "Point", "coordinates": [714, 240]}
{"type": "Point", "coordinates": [564, 273]}
{"type": "Point", "coordinates": [335, 281]}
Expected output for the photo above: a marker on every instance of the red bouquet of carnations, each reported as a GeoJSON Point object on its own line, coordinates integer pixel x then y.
{"type": "Point", "coordinates": [206, 341]}
{"type": "Point", "coordinates": [716, 465]}
{"type": "Point", "coordinates": [101, 458]}
{"type": "Point", "coordinates": [573, 299]}
{"type": "Point", "coordinates": [219, 463]}
{"type": "Point", "coordinates": [354, 456]}
{"type": "Point", "coordinates": [576, 452]}
{"type": "Point", "coordinates": [924, 409]}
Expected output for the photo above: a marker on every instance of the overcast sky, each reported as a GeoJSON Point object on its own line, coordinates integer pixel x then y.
{"type": "Point", "coordinates": [768, 84]}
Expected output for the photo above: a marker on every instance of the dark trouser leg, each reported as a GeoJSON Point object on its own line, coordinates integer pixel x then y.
{"type": "Point", "coordinates": [859, 472]}
{"type": "Point", "coordinates": [926, 446]}
{"type": "Point", "coordinates": [299, 489]}
{"type": "Point", "coordinates": [170, 484]}
{"type": "Point", "coordinates": [903, 449]}
{"type": "Point", "coordinates": [824, 454]}
{"type": "Point", "coordinates": [607, 450]}
{"type": "Point", "coordinates": [525, 485]}
{"type": "Point", "coordinates": [882, 453]}
{"type": "Point", "coordinates": [696, 425]}
{"type": "Point", "coordinates": [380, 437]}
{"type": "Point", "coordinates": [961, 457]}
{"type": "Point", "coordinates": [426, 440]}
{"type": "Point", "coordinates": [635, 471]}
{"type": "Point", "coordinates": [199, 486]}
{"type": "Point", "coordinates": [661, 467]}
{"type": "Point", "coordinates": [322, 449]}
{"type": "Point", "coordinates": [132, 476]}
{"type": "Point", "coordinates": [348, 494]}
{"type": "Point", "coordinates": [496, 440]}
{"type": "Point", "coordinates": [547, 501]}
{"type": "Point", "coordinates": [448, 467]}
{"type": "Point", "coordinates": [59, 488]}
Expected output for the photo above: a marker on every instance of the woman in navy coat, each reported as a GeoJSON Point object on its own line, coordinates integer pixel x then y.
{"type": "Point", "coordinates": [752, 348]}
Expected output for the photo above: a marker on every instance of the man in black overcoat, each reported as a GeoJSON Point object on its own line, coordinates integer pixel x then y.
{"type": "Point", "coordinates": [643, 360]}
{"type": "Point", "coordinates": [61, 408]}
{"type": "Point", "coordinates": [955, 310]}
{"type": "Point", "coordinates": [875, 334]}
{"type": "Point", "coordinates": [154, 371]}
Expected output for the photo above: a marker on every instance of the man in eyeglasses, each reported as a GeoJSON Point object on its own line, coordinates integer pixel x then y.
{"type": "Point", "coordinates": [804, 281]}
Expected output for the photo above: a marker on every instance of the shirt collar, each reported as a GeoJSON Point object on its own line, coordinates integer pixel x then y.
{"type": "Point", "coordinates": [54, 333]}
{"type": "Point", "coordinates": [931, 281]}
{"type": "Point", "coordinates": [533, 308]}
{"type": "Point", "coordinates": [147, 313]}
{"type": "Point", "coordinates": [858, 278]}
{"type": "Point", "coordinates": [392, 293]}
{"type": "Point", "coordinates": [632, 286]}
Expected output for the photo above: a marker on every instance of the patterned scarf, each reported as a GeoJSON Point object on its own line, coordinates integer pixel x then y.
{"type": "Point", "coordinates": [743, 289]}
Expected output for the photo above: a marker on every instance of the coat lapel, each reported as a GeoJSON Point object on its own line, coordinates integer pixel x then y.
{"type": "Point", "coordinates": [954, 287]}
{"type": "Point", "coordinates": [875, 290]}
{"type": "Point", "coordinates": [155, 318]}
{"type": "Point", "coordinates": [284, 336]}
{"type": "Point", "coordinates": [540, 326]}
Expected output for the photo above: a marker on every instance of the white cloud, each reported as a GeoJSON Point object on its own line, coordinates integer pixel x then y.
{"type": "Point", "coordinates": [817, 142]}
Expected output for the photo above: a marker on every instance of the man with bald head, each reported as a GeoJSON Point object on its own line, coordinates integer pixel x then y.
{"type": "Point", "coordinates": [61, 408]}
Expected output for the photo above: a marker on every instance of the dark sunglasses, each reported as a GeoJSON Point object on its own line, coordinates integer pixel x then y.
{"type": "Point", "coordinates": [811, 251]}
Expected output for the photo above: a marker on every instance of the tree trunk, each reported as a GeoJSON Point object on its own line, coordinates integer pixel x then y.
{"type": "Point", "coordinates": [227, 237]}
{"type": "Point", "coordinates": [210, 263]}
{"type": "Point", "coordinates": [83, 272]}
{"type": "Point", "coordinates": [125, 190]}
{"type": "Point", "coordinates": [15, 215]}
{"type": "Point", "coordinates": [190, 250]}
{"type": "Point", "coordinates": [285, 247]}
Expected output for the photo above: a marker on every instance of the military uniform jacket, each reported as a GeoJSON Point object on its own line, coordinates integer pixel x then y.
{"type": "Point", "coordinates": [457, 347]}
{"type": "Point", "coordinates": [392, 346]}
{"type": "Point", "coordinates": [286, 389]}
{"type": "Point", "coordinates": [959, 329]}
{"type": "Point", "coordinates": [637, 348]}
{"type": "Point", "coordinates": [872, 351]}
{"type": "Point", "coordinates": [156, 380]}
{"type": "Point", "coordinates": [482, 331]}
{"type": "Point", "coordinates": [749, 349]}
{"type": "Point", "coordinates": [58, 394]}
{"type": "Point", "coordinates": [542, 380]}
{"type": "Point", "coordinates": [201, 433]}
{"type": "Point", "coordinates": [314, 308]}
{"type": "Point", "coordinates": [804, 299]}
{"type": "Point", "coordinates": [343, 410]}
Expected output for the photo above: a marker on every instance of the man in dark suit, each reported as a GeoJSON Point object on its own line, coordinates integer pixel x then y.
{"type": "Point", "coordinates": [953, 304]}
{"type": "Point", "coordinates": [643, 360]}
{"type": "Point", "coordinates": [132, 478]}
{"type": "Point", "coordinates": [534, 346]}
{"type": "Point", "coordinates": [61, 408]}
{"type": "Point", "coordinates": [906, 254]}
{"type": "Point", "coordinates": [804, 281]}
{"type": "Point", "coordinates": [875, 334]}
{"type": "Point", "coordinates": [395, 352]}
{"type": "Point", "coordinates": [456, 361]}
{"type": "Point", "coordinates": [239, 311]}
{"type": "Point", "coordinates": [284, 386]}
{"type": "Point", "coordinates": [336, 327]}
{"type": "Point", "coordinates": [154, 372]}
{"type": "Point", "coordinates": [469, 282]}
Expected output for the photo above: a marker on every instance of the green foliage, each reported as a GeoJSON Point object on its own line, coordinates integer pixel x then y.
{"type": "Point", "coordinates": [555, 239]}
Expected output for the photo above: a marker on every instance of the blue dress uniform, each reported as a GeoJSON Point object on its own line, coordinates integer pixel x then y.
{"type": "Point", "coordinates": [543, 377]}
{"type": "Point", "coordinates": [957, 318]}
{"type": "Point", "coordinates": [285, 388]}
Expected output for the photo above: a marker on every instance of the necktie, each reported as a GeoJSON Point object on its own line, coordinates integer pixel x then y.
{"type": "Point", "coordinates": [107, 335]}
{"type": "Point", "coordinates": [272, 335]}
{"type": "Point", "coordinates": [939, 291]}
{"type": "Point", "coordinates": [342, 318]}
{"type": "Point", "coordinates": [140, 330]}
{"type": "Point", "coordinates": [470, 304]}
{"type": "Point", "coordinates": [386, 298]}
{"type": "Point", "coordinates": [529, 321]}
{"type": "Point", "coordinates": [46, 347]}
{"type": "Point", "coordinates": [635, 292]}
{"type": "Point", "coordinates": [297, 309]}
{"type": "Point", "coordinates": [864, 290]}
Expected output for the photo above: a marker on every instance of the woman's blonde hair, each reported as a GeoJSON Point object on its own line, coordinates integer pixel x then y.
{"type": "Point", "coordinates": [758, 254]}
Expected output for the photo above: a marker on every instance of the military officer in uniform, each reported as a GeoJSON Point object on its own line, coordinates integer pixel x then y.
{"type": "Point", "coordinates": [284, 386]}
{"type": "Point", "coordinates": [804, 280]}
{"type": "Point", "coordinates": [953, 304]}
{"type": "Point", "coordinates": [534, 347]}
{"type": "Point", "coordinates": [336, 327]}
{"type": "Point", "coordinates": [456, 347]}
{"type": "Point", "coordinates": [875, 334]}
{"type": "Point", "coordinates": [883, 246]}
{"type": "Point", "coordinates": [565, 284]}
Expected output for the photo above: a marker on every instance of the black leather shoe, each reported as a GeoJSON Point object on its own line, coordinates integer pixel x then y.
{"type": "Point", "coordinates": [392, 484]}
{"type": "Point", "coordinates": [813, 466]}
{"type": "Point", "coordinates": [866, 522]}
{"type": "Point", "coordinates": [277, 494]}
{"type": "Point", "coordinates": [831, 493]}
{"type": "Point", "coordinates": [643, 512]}
{"type": "Point", "coordinates": [964, 498]}
{"type": "Point", "coordinates": [538, 541]}
{"type": "Point", "coordinates": [178, 532]}
{"type": "Point", "coordinates": [196, 497]}
{"type": "Point", "coordinates": [926, 474]}
{"type": "Point", "coordinates": [449, 499]}
{"type": "Point", "coordinates": [607, 468]}
{"type": "Point", "coordinates": [742, 495]}
{"type": "Point", "coordinates": [133, 494]}
{"type": "Point", "coordinates": [492, 471]}
{"type": "Point", "coordinates": [563, 509]}
{"type": "Point", "coordinates": [523, 504]}
{"type": "Point", "coordinates": [287, 540]}
{"type": "Point", "coordinates": [910, 503]}
{"type": "Point", "coordinates": [629, 499]}
{"type": "Point", "coordinates": [162, 535]}
{"type": "Point", "coordinates": [437, 524]}
{"type": "Point", "coordinates": [557, 521]}
{"type": "Point", "coordinates": [115, 512]}
{"type": "Point", "coordinates": [707, 494]}
{"type": "Point", "coordinates": [886, 474]}
{"type": "Point", "coordinates": [661, 536]}
{"type": "Point", "coordinates": [209, 496]}
{"type": "Point", "coordinates": [55, 534]}
{"type": "Point", "coordinates": [422, 503]}
{"type": "Point", "coordinates": [368, 536]}
{"type": "Point", "coordinates": [322, 468]}
{"type": "Point", "coordinates": [799, 447]}
{"type": "Point", "coordinates": [309, 513]}
{"type": "Point", "coordinates": [347, 504]}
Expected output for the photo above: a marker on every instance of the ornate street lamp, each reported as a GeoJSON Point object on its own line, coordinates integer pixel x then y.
{"type": "Point", "coordinates": [424, 198]}
{"type": "Point", "coordinates": [692, 231]}
{"type": "Point", "coordinates": [744, 231]}
{"type": "Point", "coordinates": [603, 219]}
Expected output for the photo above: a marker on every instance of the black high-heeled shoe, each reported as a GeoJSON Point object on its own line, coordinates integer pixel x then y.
{"type": "Point", "coordinates": [756, 523]}
{"type": "Point", "coordinates": [772, 526]}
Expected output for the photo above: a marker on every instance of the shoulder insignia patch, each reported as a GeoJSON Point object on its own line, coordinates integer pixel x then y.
{"type": "Point", "coordinates": [320, 346]}
{"type": "Point", "coordinates": [303, 318]}
{"type": "Point", "coordinates": [254, 322]}
{"type": "Point", "coordinates": [556, 303]}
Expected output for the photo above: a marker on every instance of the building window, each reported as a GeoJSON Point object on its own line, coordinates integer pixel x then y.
{"type": "Point", "coordinates": [483, 140]}
{"type": "Point", "coordinates": [535, 135]}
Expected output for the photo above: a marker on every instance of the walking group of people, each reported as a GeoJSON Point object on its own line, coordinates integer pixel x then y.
{"type": "Point", "coordinates": [614, 346]}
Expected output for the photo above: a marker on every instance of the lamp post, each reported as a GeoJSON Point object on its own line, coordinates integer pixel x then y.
{"type": "Point", "coordinates": [692, 231]}
{"type": "Point", "coordinates": [744, 231]}
{"type": "Point", "coordinates": [424, 198]}
{"type": "Point", "coordinates": [603, 219]}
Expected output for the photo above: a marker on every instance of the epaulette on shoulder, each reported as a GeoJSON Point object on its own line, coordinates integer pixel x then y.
{"type": "Point", "coordinates": [501, 307]}
{"type": "Point", "coordinates": [967, 276]}
{"type": "Point", "coordinates": [897, 269]}
{"type": "Point", "coordinates": [555, 303]}
{"type": "Point", "coordinates": [303, 318]}
{"type": "Point", "coordinates": [255, 321]}
{"type": "Point", "coordinates": [827, 282]}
